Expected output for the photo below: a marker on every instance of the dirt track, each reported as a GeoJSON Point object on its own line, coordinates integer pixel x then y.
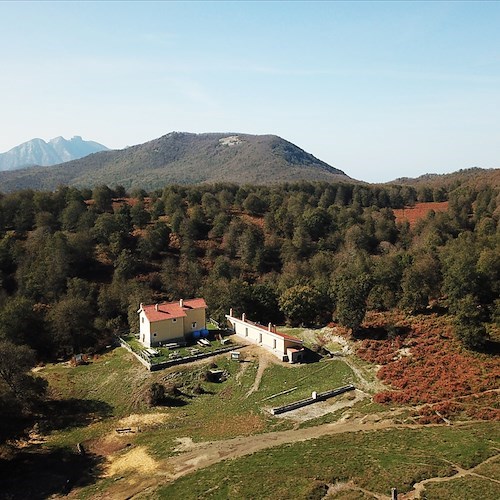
{"type": "Point", "coordinates": [200, 455]}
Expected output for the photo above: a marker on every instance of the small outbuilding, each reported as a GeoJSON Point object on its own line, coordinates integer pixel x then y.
{"type": "Point", "coordinates": [285, 347]}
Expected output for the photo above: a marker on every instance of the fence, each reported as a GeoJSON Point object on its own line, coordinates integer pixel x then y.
{"type": "Point", "coordinates": [145, 360]}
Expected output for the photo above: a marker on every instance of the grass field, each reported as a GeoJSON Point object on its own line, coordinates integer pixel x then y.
{"type": "Point", "coordinates": [375, 461]}
{"type": "Point", "coordinates": [223, 411]}
{"type": "Point", "coordinates": [111, 392]}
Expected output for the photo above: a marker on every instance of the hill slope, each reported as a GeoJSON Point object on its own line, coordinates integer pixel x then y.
{"type": "Point", "coordinates": [183, 158]}
{"type": "Point", "coordinates": [471, 176]}
{"type": "Point", "coordinates": [39, 152]}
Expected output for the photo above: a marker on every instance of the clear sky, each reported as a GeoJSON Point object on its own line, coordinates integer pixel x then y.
{"type": "Point", "coordinates": [379, 90]}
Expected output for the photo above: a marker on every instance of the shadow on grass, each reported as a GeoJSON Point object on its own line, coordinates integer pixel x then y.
{"type": "Point", "coordinates": [69, 413]}
{"type": "Point", "coordinates": [175, 401]}
{"type": "Point", "coordinates": [14, 426]}
{"type": "Point", "coordinates": [310, 356]}
{"type": "Point", "coordinates": [42, 473]}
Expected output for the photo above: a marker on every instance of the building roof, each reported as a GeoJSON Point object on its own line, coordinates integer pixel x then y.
{"type": "Point", "coordinates": [266, 328]}
{"type": "Point", "coordinates": [171, 310]}
{"type": "Point", "coordinates": [284, 335]}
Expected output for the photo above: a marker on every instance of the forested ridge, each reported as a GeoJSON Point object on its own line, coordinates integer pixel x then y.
{"type": "Point", "coordinates": [76, 263]}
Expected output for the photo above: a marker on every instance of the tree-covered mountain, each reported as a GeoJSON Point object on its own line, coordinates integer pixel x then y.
{"type": "Point", "coordinates": [39, 152]}
{"type": "Point", "coordinates": [183, 158]}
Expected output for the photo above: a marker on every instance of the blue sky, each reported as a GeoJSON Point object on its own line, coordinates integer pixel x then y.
{"type": "Point", "coordinates": [378, 89]}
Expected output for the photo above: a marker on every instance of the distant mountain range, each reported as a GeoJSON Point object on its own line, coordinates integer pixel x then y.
{"type": "Point", "coordinates": [39, 152]}
{"type": "Point", "coordinates": [183, 158]}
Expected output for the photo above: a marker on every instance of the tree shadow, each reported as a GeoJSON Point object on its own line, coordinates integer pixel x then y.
{"type": "Point", "coordinates": [14, 426]}
{"type": "Point", "coordinates": [42, 473]}
{"type": "Point", "coordinates": [382, 333]}
{"type": "Point", "coordinates": [69, 413]}
{"type": "Point", "coordinates": [492, 347]}
{"type": "Point", "coordinates": [175, 401]}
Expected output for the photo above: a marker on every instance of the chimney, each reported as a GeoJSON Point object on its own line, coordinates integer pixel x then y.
{"type": "Point", "coordinates": [394, 494]}
{"type": "Point", "coordinates": [270, 327]}
{"type": "Point", "coordinates": [231, 312]}
{"type": "Point", "coordinates": [140, 306]}
{"type": "Point", "coordinates": [243, 317]}
{"type": "Point", "coordinates": [156, 307]}
{"type": "Point", "coordinates": [181, 303]}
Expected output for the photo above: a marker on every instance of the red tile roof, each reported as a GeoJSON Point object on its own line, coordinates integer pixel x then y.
{"type": "Point", "coordinates": [170, 310]}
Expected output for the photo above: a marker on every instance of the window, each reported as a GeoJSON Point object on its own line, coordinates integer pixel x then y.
{"type": "Point", "coordinates": [193, 324]}
{"type": "Point", "coordinates": [274, 343]}
{"type": "Point", "coordinates": [142, 319]}
{"type": "Point", "coordinates": [246, 332]}
{"type": "Point", "coordinates": [154, 334]}
{"type": "Point", "coordinates": [174, 320]}
{"type": "Point", "coordinates": [260, 338]}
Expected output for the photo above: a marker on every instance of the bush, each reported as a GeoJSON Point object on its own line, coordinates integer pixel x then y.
{"type": "Point", "coordinates": [156, 394]}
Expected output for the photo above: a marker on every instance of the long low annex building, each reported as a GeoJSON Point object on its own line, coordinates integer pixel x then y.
{"type": "Point", "coordinates": [285, 347]}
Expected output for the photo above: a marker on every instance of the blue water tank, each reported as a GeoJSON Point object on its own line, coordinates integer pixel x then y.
{"type": "Point", "coordinates": [204, 332]}
{"type": "Point", "coordinates": [197, 334]}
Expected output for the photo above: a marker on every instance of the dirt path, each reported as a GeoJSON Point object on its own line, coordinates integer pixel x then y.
{"type": "Point", "coordinates": [333, 489]}
{"type": "Point", "coordinates": [241, 371]}
{"type": "Point", "coordinates": [419, 488]}
{"type": "Point", "coordinates": [368, 385]}
{"type": "Point", "coordinates": [197, 456]}
{"type": "Point", "coordinates": [263, 364]}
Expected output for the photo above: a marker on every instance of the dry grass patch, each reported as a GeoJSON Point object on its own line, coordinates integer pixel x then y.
{"type": "Point", "coordinates": [143, 420]}
{"type": "Point", "coordinates": [137, 460]}
{"type": "Point", "coordinates": [242, 425]}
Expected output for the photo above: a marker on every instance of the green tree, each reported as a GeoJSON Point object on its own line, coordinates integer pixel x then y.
{"type": "Point", "coordinates": [301, 305]}
{"type": "Point", "coordinates": [351, 292]}
{"type": "Point", "coordinates": [18, 383]}
{"type": "Point", "coordinates": [420, 282]}
{"type": "Point", "coordinates": [155, 241]}
{"type": "Point", "coordinates": [469, 328]}
{"type": "Point", "coordinates": [460, 274]}
{"type": "Point", "coordinates": [254, 204]}
{"type": "Point", "coordinates": [139, 215]}
{"type": "Point", "coordinates": [126, 265]}
{"type": "Point", "coordinates": [103, 197]}
{"type": "Point", "coordinates": [22, 323]}
{"type": "Point", "coordinates": [70, 320]}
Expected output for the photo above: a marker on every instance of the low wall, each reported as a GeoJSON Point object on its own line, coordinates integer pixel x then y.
{"type": "Point", "coordinates": [194, 357]}
{"type": "Point", "coordinates": [309, 401]}
{"type": "Point", "coordinates": [152, 367]}
{"type": "Point", "coordinates": [124, 344]}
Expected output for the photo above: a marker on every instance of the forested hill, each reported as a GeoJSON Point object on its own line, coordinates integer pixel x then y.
{"type": "Point", "coordinates": [477, 177]}
{"type": "Point", "coordinates": [183, 158]}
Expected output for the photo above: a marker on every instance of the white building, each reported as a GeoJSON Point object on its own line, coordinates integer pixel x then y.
{"type": "Point", "coordinates": [285, 347]}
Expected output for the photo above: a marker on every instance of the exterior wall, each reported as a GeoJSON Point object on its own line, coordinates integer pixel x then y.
{"type": "Point", "coordinates": [144, 331]}
{"type": "Point", "coordinates": [167, 330]}
{"type": "Point", "coordinates": [194, 316]}
{"type": "Point", "coordinates": [271, 341]}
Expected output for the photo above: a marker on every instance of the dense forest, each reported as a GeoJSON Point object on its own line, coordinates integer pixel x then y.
{"type": "Point", "coordinates": [76, 263]}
